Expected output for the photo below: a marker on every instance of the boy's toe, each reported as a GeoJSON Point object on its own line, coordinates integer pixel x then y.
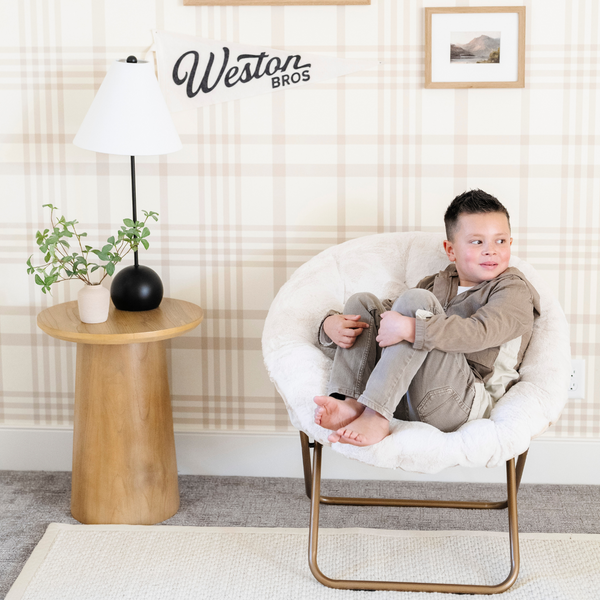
{"type": "Point", "coordinates": [349, 434]}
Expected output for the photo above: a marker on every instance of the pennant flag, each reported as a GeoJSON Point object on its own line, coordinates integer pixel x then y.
{"type": "Point", "coordinates": [194, 71]}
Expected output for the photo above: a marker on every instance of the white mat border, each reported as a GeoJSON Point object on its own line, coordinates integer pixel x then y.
{"type": "Point", "coordinates": [44, 546]}
{"type": "Point", "coordinates": [54, 528]}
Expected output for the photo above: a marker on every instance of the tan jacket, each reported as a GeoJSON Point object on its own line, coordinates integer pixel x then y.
{"type": "Point", "coordinates": [480, 320]}
{"type": "Point", "coordinates": [491, 324]}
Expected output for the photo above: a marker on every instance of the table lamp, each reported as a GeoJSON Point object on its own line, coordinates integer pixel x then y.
{"type": "Point", "coordinates": [129, 116]}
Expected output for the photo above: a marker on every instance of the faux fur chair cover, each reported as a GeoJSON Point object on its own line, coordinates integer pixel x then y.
{"type": "Point", "coordinates": [386, 265]}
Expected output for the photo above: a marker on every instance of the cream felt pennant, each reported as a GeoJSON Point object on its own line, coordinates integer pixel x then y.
{"type": "Point", "coordinates": [195, 72]}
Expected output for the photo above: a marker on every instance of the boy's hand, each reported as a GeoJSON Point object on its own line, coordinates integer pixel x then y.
{"type": "Point", "coordinates": [344, 329]}
{"type": "Point", "coordinates": [395, 328]}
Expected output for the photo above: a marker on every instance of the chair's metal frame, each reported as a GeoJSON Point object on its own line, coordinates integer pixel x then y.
{"type": "Point", "coordinates": [312, 479]}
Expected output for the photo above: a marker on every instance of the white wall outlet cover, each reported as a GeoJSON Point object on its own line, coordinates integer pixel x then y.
{"type": "Point", "coordinates": [577, 384]}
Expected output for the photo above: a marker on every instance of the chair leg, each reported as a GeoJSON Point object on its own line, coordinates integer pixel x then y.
{"type": "Point", "coordinates": [513, 478]}
{"type": "Point", "coordinates": [337, 500]}
{"type": "Point", "coordinates": [306, 445]}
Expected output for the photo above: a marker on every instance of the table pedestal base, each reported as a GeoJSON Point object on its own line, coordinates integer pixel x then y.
{"type": "Point", "coordinates": [124, 465]}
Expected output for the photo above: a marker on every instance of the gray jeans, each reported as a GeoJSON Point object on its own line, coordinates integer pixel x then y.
{"type": "Point", "coordinates": [398, 381]}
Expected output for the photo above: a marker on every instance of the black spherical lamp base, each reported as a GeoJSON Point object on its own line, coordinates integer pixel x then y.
{"type": "Point", "coordinates": [136, 288]}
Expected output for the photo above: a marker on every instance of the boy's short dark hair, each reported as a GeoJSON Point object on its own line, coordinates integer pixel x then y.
{"type": "Point", "coordinates": [470, 203]}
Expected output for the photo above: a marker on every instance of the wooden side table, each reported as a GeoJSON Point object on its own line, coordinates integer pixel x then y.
{"type": "Point", "coordinates": [124, 464]}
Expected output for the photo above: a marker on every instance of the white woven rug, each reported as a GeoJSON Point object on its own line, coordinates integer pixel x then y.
{"type": "Point", "coordinates": [105, 562]}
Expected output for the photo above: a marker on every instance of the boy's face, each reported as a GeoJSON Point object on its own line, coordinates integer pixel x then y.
{"type": "Point", "coordinates": [481, 247]}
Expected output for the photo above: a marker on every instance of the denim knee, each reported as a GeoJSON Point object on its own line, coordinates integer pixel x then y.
{"type": "Point", "coordinates": [358, 302]}
{"type": "Point", "coordinates": [414, 299]}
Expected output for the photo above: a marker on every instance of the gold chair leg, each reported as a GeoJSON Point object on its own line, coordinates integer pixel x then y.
{"type": "Point", "coordinates": [513, 476]}
{"type": "Point", "coordinates": [306, 463]}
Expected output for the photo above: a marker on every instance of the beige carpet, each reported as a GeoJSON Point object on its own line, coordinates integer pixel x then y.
{"type": "Point", "coordinates": [105, 562]}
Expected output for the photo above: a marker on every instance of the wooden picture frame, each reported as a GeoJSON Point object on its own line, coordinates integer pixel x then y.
{"type": "Point", "coordinates": [271, 2]}
{"type": "Point", "coordinates": [449, 64]}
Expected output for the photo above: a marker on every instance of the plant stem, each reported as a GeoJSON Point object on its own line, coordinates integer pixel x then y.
{"type": "Point", "coordinates": [78, 240]}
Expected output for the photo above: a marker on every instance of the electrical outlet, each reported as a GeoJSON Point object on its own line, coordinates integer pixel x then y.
{"type": "Point", "coordinates": [577, 384]}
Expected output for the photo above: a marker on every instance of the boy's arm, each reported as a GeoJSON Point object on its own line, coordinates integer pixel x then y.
{"type": "Point", "coordinates": [340, 330]}
{"type": "Point", "coordinates": [324, 339]}
{"type": "Point", "coordinates": [395, 328]}
{"type": "Point", "coordinates": [427, 282]}
{"type": "Point", "coordinates": [507, 315]}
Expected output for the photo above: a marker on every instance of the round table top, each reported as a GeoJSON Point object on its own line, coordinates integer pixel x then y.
{"type": "Point", "coordinates": [172, 318]}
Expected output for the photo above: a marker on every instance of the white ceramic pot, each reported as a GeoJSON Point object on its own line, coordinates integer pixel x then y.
{"type": "Point", "coordinates": [93, 302]}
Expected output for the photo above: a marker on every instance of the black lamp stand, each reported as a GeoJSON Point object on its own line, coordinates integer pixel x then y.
{"type": "Point", "coordinates": [136, 287]}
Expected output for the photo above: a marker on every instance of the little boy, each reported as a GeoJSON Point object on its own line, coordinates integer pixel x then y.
{"type": "Point", "coordinates": [443, 352]}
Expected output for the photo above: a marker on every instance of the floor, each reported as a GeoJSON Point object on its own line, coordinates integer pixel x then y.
{"type": "Point", "coordinates": [29, 501]}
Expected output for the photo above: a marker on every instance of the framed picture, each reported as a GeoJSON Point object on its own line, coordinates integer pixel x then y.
{"type": "Point", "coordinates": [269, 2]}
{"type": "Point", "coordinates": [475, 47]}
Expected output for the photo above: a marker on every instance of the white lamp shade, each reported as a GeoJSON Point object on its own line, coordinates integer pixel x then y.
{"type": "Point", "coordinates": [129, 114]}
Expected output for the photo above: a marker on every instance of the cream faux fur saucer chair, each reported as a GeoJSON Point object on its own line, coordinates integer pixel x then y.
{"type": "Point", "coordinates": [387, 265]}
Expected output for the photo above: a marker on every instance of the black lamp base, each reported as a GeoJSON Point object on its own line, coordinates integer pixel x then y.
{"type": "Point", "coordinates": [136, 288]}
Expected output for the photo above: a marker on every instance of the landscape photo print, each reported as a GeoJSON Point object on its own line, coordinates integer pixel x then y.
{"type": "Point", "coordinates": [469, 47]}
{"type": "Point", "coordinates": [475, 47]}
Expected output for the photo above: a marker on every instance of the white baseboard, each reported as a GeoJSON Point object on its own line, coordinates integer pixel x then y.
{"type": "Point", "coordinates": [550, 460]}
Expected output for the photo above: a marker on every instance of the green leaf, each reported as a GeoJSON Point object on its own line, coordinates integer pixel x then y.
{"type": "Point", "coordinates": [110, 268]}
{"type": "Point", "coordinates": [106, 248]}
{"type": "Point", "coordinates": [50, 206]}
{"type": "Point", "coordinates": [95, 268]}
{"type": "Point", "coordinates": [146, 232]}
{"type": "Point", "coordinates": [129, 222]}
{"type": "Point", "coordinates": [145, 244]}
{"type": "Point", "coordinates": [39, 280]}
{"type": "Point", "coordinates": [111, 240]}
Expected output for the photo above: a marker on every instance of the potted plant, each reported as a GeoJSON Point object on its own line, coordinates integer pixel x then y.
{"type": "Point", "coordinates": [67, 257]}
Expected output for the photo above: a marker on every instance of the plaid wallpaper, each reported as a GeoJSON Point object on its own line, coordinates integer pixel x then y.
{"type": "Point", "coordinates": [262, 184]}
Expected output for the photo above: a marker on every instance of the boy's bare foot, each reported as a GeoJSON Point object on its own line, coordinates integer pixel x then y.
{"type": "Point", "coordinates": [333, 414]}
{"type": "Point", "coordinates": [366, 430]}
